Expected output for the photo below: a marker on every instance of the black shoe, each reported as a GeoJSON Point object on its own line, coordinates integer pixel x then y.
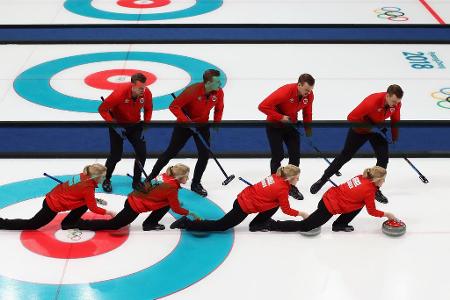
{"type": "Point", "coordinates": [157, 227]}
{"type": "Point", "coordinates": [263, 227]}
{"type": "Point", "coordinates": [180, 223]}
{"type": "Point", "coordinates": [295, 193]}
{"type": "Point", "coordinates": [380, 197]}
{"type": "Point", "coordinates": [345, 228]}
{"type": "Point", "coordinates": [107, 187]}
{"type": "Point", "coordinates": [138, 186]}
{"type": "Point", "coordinates": [198, 188]}
{"type": "Point", "coordinates": [317, 186]}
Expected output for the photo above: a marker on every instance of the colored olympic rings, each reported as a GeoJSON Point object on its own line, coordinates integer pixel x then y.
{"type": "Point", "coordinates": [391, 13]}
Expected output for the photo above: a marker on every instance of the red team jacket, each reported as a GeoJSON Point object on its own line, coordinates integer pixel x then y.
{"type": "Point", "coordinates": [352, 195]}
{"type": "Point", "coordinates": [373, 109]}
{"type": "Point", "coordinates": [164, 194]}
{"type": "Point", "coordinates": [74, 194]}
{"type": "Point", "coordinates": [194, 103]}
{"type": "Point", "coordinates": [120, 107]}
{"type": "Point", "coordinates": [271, 192]}
{"type": "Point", "coordinates": [286, 101]}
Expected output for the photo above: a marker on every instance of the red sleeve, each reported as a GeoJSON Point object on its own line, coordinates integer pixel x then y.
{"type": "Point", "coordinates": [91, 203]}
{"type": "Point", "coordinates": [177, 105]}
{"type": "Point", "coordinates": [112, 101]}
{"type": "Point", "coordinates": [148, 106]}
{"type": "Point", "coordinates": [283, 198]}
{"type": "Point", "coordinates": [218, 109]}
{"type": "Point", "coordinates": [370, 206]}
{"type": "Point", "coordinates": [394, 119]}
{"type": "Point", "coordinates": [175, 203]}
{"type": "Point", "coordinates": [307, 114]}
{"type": "Point", "coordinates": [268, 105]}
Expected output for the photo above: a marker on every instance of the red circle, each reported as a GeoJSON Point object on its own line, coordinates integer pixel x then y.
{"type": "Point", "coordinates": [43, 241]}
{"type": "Point", "coordinates": [134, 4]}
{"type": "Point", "coordinates": [99, 80]}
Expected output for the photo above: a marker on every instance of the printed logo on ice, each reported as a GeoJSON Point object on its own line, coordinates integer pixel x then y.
{"type": "Point", "coordinates": [391, 13]}
{"type": "Point", "coordinates": [442, 97]}
{"type": "Point", "coordinates": [422, 60]}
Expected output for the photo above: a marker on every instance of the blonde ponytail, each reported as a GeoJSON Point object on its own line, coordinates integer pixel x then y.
{"type": "Point", "coordinates": [178, 171]}
{"type": "Point", "coordinates": [374, 173]}
{"type": "Point", "coordinates": [94, 170]}
{"type": "Point", "coordinates": [288, 171]}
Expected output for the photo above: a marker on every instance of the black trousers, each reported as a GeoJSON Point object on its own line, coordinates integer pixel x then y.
{"type": "Point", "coordinates": [136, 138]}
{"type": "Point", "coordinates": [319, 217]}
{"type": "Point", "coordinates": [277, 135]}
{"type": "Point", "coordinates": [231, 219]}
{"type": "Point", "coordinates": [180, 136]}
{"type": "Point", "coordinates": [353, 142]}
{"type": "Point", "coordinates": [123, 218]}
{"type": "Point", "coordinates": [42, 218]}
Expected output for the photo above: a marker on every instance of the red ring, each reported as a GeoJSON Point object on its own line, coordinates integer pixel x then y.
{"type": "Point", "coordinates": [43, 241]}
{"type": "Point", "coordinates": [133, 4]}
{"type": "Point", "coordinates": [99, 80]}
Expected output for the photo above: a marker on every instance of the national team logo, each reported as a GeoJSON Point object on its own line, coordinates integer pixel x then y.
{"type": "Point", "coordinates": [141, 10]}
{"type": "Point", "coordinates": [379, 110]}
{"type": "Point", "coordinates": [391, 13]}
{"type": "Point", "coordinates": [392, 109]}
{"type": "Point", "coordinates": [127, 101]}
{"type": "Point", "coordinates": [305, 101]}
{"type": "Point", "coordinates": [291, 100]}
{"type": "Point", "coordinates": [141, 101]}
{"type": "Point", "coordinates": [199, 98]}
{"type": "Point", "coordinates": [214, 98]}
{"type": "Point", "coordinates": [443, 97]}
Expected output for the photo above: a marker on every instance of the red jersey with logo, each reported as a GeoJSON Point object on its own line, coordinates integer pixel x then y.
{"type": "Point", "coordinates": [120, 107]}
{"type": "Point", "coordinates": [352, 195]}
{"type": "Point", "coordinates": [286, 101]}
{"type": "Point", "coordinates": [193, 105]}
{"type": "Point", "coordinates": [373, 109]}
{"type": "Point", "coordinates": [159, 196]}
{"type": "Point", "coordinates": [78, 191]}
{"type": "Point", "coordinates": [269, 193]}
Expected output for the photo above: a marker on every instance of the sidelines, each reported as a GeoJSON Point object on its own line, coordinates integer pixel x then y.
{"type": "Point", "coordinates": [213, 33]}
{"type": "Point", "coordinates": [432, 12]}
{"type": "Point", "coordinates": [235, 139]}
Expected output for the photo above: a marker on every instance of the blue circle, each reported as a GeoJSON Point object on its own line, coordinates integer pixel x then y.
{"type": "Point", "coordinates": [85, 8]}
{"type": "Point", "coordinates": [34, 84]}
{"type": "Point", "coordinates": [192, 259]}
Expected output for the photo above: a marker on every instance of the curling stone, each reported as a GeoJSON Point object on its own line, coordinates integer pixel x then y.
{"type": "Point", "coordinates": [393, 228]}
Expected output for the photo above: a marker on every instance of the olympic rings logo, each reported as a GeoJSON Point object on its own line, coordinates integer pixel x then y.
{"type": "Point", "coordinates": [391, 13]}
{"type": "Point", "coordinates": [74, 234]}
{"type": "Point", "coordinates": [442, 97]}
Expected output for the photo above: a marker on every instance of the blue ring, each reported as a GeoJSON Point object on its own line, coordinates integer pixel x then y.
{"type": "Point", "coordinates": [192, 259]}
{"type": "Point", "coordinates": [85, 8]}
{"type": "Point", "coordinates": [34, 84]}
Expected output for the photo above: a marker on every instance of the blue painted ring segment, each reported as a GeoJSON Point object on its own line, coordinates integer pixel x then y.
{"type": "Point", "coordinates": [191, 260]}
{"type": "Point", "coordinates": [34, 83]}
{"type": "Point", "coordinates": [86, 9]}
